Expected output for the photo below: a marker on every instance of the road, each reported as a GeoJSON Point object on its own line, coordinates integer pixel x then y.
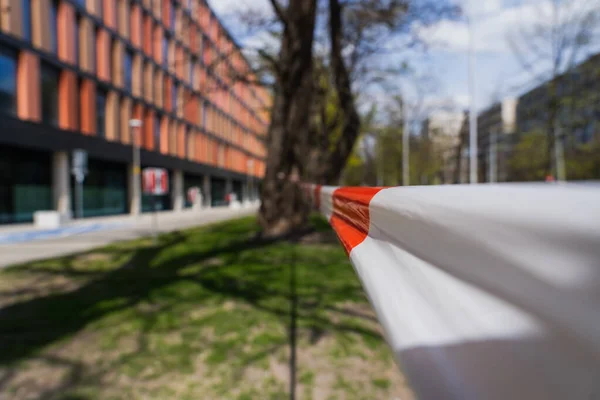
{"type": "Point", "coordinates": [120, 228]}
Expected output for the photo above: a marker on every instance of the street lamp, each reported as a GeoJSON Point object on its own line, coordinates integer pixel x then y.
{"type": "Point", "coordinates": [472, 107]}
{"type": "Point", "coordinates": [250, 165]}
{"type": "Point", "coordinates": [135, 125]}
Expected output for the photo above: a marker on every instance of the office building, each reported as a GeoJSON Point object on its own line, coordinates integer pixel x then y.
{"type": "Point", "coordinates": [578, 94]}
{"type": "Point", "coordinates": [442, 129]}
{"type": "Point", "coordinates": [73, 73]}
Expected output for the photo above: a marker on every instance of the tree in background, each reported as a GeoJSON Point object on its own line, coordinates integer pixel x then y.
{"type": "Point", "coordinates": [315, 118]}
{"type": "Point", "coordinates": [529, 158]}
{"type": "Point", "coordinates": [283, 208]}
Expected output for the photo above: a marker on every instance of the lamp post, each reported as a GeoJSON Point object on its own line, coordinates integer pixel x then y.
{"type": "Point", "coordinates": [135, 125]}
{"type": "Point", "coordinates": [250, 166]}
{"type": "Point", "coordinates": [472, 107]}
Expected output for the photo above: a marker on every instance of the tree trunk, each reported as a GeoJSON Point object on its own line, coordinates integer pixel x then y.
{"type": "Point", "coordinates": [351, 125]}
{"type": "Point", "coordinates": [283, 208]}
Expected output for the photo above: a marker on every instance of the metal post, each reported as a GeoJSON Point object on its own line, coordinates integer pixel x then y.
{"type": "Point", "coordinates": [405, 149]}
{"type": "Point", "coordinates": [492, 171]}
{"type": "Point", "coordinates": [135, 125]}
{"type": "Point", "coordinates": [154, 219]}
{"type": "Point", "coordinates": [79, 194]}
{"type": "Point", "coordinates": [472, 107]}
{"type": "Point", "coordinates": [559, 156]}
{"type": "Point", "coordinates": [381, 168]}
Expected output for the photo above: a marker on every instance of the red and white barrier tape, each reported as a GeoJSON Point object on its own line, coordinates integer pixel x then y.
{"type": "Point", "coordinates": [484, 291]}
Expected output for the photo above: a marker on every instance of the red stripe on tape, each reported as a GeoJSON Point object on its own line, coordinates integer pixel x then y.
{"type": "Point", "coordinates": [350, 217]}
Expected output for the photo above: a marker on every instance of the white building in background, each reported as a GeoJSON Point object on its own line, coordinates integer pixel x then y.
{"type": "Point", "coordinates": [443, 129]}
{"type": "Point", "coordinates": [496, 126]}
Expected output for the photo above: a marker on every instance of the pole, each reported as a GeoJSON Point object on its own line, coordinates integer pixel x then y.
{"type": "Point", "coordinates": [136, 169]}
{"type": "Point", "coordinates": [79, 188]}
{"type": "Point", "coordinates": [154, 219]}
{"type": "Point", "coordinates": [472, 113]}
{"type": "Point", "coordinates": [559, 155]}
{"type": "Point", "coordinates": [381, 169]}
{"type": "Point", "coordinates": [405, 149]}
{"type": "Point", "coordinates": [492, 173]}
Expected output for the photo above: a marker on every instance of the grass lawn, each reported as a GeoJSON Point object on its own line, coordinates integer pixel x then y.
{"type": "Point", "coordinates": [207, 313]}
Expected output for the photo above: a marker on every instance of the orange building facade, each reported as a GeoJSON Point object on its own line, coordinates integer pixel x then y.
{"type": "Point", "coordinates": [74, 73]}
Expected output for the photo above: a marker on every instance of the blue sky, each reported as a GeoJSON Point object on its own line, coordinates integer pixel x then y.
{"type": "Point", "coordinates": [498, 73]}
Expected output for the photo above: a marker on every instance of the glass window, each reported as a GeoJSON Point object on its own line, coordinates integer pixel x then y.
{"type": "Point", "coordinates": [49, 94]}
{"type": "Point", "coordinates": [175, 89]}
{"type": "Point", "coordinates": [128, 70]}
{"type": "Point", "coordinates": [76, 39]}
{"type": "Point", "coordinates": [54, 26]}
{"type": "Point", "coordinates": [191, 63]}
{"type": "Point", "coordinates": [8, 81]}
{"type": "Point", "coordinates": [172, 15]}
{"type": "Point", "coordinates": [165, 51]}
{"type": "Point", "coordinates": [101, 113]}
{"type": "Point", "coordinates": [157, 133]}
{"type": "Point", "coordinates": [26, 15]}
{"type": "Point", "coordinates": [94, 43]}
{"type": "Point", "coordinates": [187, 142]}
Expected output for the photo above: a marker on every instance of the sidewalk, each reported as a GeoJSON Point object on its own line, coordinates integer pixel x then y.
{"type": "Point", "coordinates": [91, 233]}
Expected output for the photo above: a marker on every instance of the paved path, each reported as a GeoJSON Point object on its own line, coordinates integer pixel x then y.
{"type": "Point", "coordinates": [114, 229]}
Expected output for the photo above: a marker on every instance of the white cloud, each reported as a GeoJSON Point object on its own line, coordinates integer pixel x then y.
{"type": "Point", "coordinates": [492, 25]}
{"type": "Point", "coordinates": [225, 8]}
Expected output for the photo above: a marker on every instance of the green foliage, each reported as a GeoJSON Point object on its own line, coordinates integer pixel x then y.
{"type": "Point", "coordinates": [583, 162]}
{"type": "Point", "coordinates": [529, 158]}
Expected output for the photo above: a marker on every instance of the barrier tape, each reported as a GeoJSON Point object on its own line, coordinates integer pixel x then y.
{"type": "Point", "coordinates": [483, 291]}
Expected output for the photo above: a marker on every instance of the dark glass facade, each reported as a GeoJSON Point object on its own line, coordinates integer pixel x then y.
{"type": "Point", "coordinates": [25, 184]}
{"type": "Point", "coordinates": [104, 190]}
{"type": "Point", "coordinates": [217, 195]}
{"type": "Point", "coordinates": [8, 81]}
{"type": "Point", "coordinates": [190, 181]}
{"type": "Point", "coordinates": [50, 76]}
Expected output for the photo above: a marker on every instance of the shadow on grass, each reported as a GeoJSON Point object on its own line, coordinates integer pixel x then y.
{"type": "Point", "coordinates": [288, 285]}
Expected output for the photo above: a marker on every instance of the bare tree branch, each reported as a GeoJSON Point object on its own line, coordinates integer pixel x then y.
{"type": "Point", "coordinates": [279, 11]}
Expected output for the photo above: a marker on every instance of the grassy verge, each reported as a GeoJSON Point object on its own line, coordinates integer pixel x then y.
{"type": "Point", "coordinates": [207, 313]}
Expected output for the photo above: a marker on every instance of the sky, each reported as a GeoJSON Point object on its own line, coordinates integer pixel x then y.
{"type": "Point", "coordinates": [498, 73]}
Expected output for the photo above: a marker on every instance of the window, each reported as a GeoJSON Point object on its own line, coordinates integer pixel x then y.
{"type": "Point", "coordinates": [76, 39]}
{"type": "Point", "coordinates": [54, 26]}
{"type": "Point", "coordinates": [165, 51]}
{"type": "Point", "coordinates": [174, 91]}
{"type": "Point", "coordinates": [128, 70]}
{"type": "Point", "coordinates": [49, 94]}
{"type": "Point", "coordinates": [101, 113]}
{"type": "Point", "coordinates": [187, 142]}
{"type": "Point", "coordinates": [157, 133]}
{"type": "Point", "coordinates": [26, 15]}
{"type": "Point", "coordinates": [172, 14]}
{"type": "Point", "coordinates": [94, 43]}
{"type": "Point", "coordinates": [8, 81]}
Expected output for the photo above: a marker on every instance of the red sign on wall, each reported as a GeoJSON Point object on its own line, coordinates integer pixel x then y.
{"type": "Point", "coordinates": [156, 181]}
